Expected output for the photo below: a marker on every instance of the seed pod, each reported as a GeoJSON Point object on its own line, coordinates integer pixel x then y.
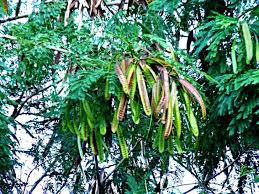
{"type": "Point", "coordinates": [233, 57]}
{"type": "Point", "coordinates": [160, 103]}
{"type": "Point", "coordinates": [170, 145]}
{"type": "Point", "coordinates": [90, 123]}
{"type": "Point", "coordinates": [4, 6]}
{"type": "Point", "coordinates": [93, 143]}
{"type": "Point", "coordinates": [143, 92]}
{"type": "Point", "coordinates": [248, 42]}
{"type": "Point", "coordinates": [115, 121]}
{"type": "Point", "coordinates": [122, 143]}
{"type": "Point", "coordinates": [257, 51]}
{"type": "Point", "coordinates": [103, 127]}
{"type": "Point", "coordinates": [166, 87]}
{"type": "Point", "coordinates": [153, 102]}
{"type": "Point", "coordinates": [99, 143]}
{"type": "Point", "coordinates": [193, 124]}
{"type": "Point", "coordinates": [84, 130]}
{"type": "Point", "coordinates": [192, 90]}
{"type": "Point", "coordinates": [133, 86]}
{"type": "Point", "coordinates": [122, 107]}
{"type": "Point", "coordinates": [169, 119]}
{"type": "Point", "coordinates": [75, 125]}
{"type": "Point", "coordinates": [178, 145]}
{"type": "Point", "coordinates": [177, 117]}
{"type": "Point", "coordinates": [135, 108]}
{"type": "Point", "coordinates": [130, 74]}
{"type": "Point", "coordinates": [107, 94]}
{"type": "Point", "coordinates": [122, 79]}
{"type": "Point", "coordinates": [159, 91]}
{"type": "Point", "coordinates": [164, 117]}
{"type": "Point", "coordinates": [88, 111]}
{"type": "Point", "coordinates": [156, 141]}
{"type": "Point", "coordinates": [63, 125]}
{"type": "Point", "coordinates": [123, 66]}
{"type": "Point", "coordinates": [152, 72]}
{"type": "Point", "coordinates": [68, 121]}
{"type": "Point", "coordinates": [149, 77]}
{"type": "Point", "coordinates": [187, 102]}
{"type": "Point", "coordinates": [161, 141]}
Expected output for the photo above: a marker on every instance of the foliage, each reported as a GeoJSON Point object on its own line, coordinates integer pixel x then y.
{"type": "Point", "coordinates": [110, 100]}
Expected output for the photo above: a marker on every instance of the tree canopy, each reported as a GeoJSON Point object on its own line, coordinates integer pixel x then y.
{"type": "Point", "coordinates": [127, 96]}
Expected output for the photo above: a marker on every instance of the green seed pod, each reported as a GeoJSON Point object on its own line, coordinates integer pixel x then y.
{"type": "Point", "coordinates": [248, 42]}
{"type": "Point", "coordinates": [177, 117]}
{"type": "Point", "coordinates": [143, 92]}
{"type": "Point", "coordinates": [107, 94]}
{"type": "Point", "coordinates": [178, 145]}
{"type": "Point", "coordinates": [99, 143]}
{"type": "Point", "coordinates": [170, 145]}
{"type": "Point", "coordinates": [88, 110]}
{"type": "Point", "coordinates": [161, 142]}
{"type": "Point", "coordinates": [122, 143]}
{"type": "Point", "coordinates": [103, 127]}
{"type": "Point", "coordinates": [135, 108]}
{"type": "Point", "coordinates": [115, 121]}
{"type": "Point", "coordinates": [193, 123]}
{"type": "Point", "coordinates": [233, 57]}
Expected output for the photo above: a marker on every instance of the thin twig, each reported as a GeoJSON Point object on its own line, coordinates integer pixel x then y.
{"type": "Point", "coordinates": [49, 47]}
{"type": "Point", "coordinates": [117, 166]}
{"type": "Point", "coordinates": [13, 18]}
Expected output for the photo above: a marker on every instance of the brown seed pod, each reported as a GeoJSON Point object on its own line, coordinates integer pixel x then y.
{"type": "Point", "coordinates": [143, 92]}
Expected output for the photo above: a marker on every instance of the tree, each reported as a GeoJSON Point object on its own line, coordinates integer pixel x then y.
{"type": "Point", "coordinates": [110, 94]}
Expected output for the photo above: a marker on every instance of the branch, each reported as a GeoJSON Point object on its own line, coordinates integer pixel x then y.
{"type": "Point", "coordinates": [8, 37]}
{"type": "Point", "coordinates": [117, 166]}
{"type": "Point", "coordinates": [49, 47]}
{"type": "Point", "coordinates": [195, 187]}
{"type": "Point", "coordinates": [13, 18]}
{"type": "Point", "coordinates": [232, 163]}
{"type": "Point", "coordinates": [27, 131]}
{"type": "Point", "coordinates": [16, 113]}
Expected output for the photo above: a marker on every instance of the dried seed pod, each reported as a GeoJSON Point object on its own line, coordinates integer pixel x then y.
{"type": "Point", "coordinates": [122, 107]}
{"type": "Point", "coordinates": [192, 90]}
{"type": "Point", "coordinates": [130, 74]}
{"type": "Point", "coordinates": [169, 119]}
{"type": "Point", "coordinates": [143, 92]}
{"type": "Point", "coordinates": [122, 79]}
{"type": "Point", "coordinates": [166, 87]}
{"type": "Point", "coordinates": [148, 75]}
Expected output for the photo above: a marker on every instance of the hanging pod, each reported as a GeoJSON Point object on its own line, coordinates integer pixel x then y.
{"type": "Point", "coordinates": [248, 42]}
{"type": "Point", "coordinates": [143, 92]}
{"type": "Point", "coordinates": [122, 143]}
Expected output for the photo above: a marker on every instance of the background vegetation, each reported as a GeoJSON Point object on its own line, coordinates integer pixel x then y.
{"type": "Point", "coordinates": [68, 103]}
